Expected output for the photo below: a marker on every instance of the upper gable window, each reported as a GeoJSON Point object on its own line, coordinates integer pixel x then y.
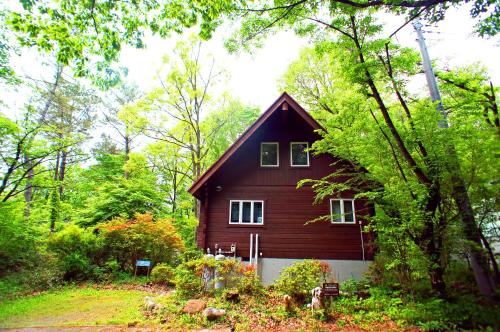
{"type": "Point", "coordinates": [299, 154]}
{"type": "Point", "coordinates": [269, 154]}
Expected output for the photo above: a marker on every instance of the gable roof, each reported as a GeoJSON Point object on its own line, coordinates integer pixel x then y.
{"type": "Point", "coordinates": [284, 98]}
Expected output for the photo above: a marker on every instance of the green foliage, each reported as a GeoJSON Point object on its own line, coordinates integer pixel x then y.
{"type": "Point", "coordinates": [112, 248]}
{"type": "Point", "coordinates": [430, 314]}
{"type": "Point", "coordinates": [55, 207]}
{"type": "Point", "coordinates": [46, 275]}
{"type": "Point", "coordinates": [249, 282]}
{"type": "Point", "coordinates": [121, 198]}
{"type": "Point", "coordinates": [162, 274]}
{"type": "Point", "coordinates": [18, 240]}
{"type": "Point", "coordinates": [78, 31]}
{"type": "Point", "coordinates": [188, 281]}
{"type": "Point", "coordinates": [402, 126]}
{"type": "Point", "coordinates": [186, 228]}
{"type": "Point", "coordinates": [7, 73]}
{"type": "Point", "coordinates": [198, 277]}
{"type": "Point", "coordinates": [140, 238]}
{"type": "Point", "coordinates": [78, 251]}
{"type": "Point", "coordinates": [300, 278]}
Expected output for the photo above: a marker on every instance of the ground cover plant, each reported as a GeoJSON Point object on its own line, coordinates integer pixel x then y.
{"type": "Point", "coordinates": [248, 305]}
{"type": "Point", "coordinates": [74, 306]}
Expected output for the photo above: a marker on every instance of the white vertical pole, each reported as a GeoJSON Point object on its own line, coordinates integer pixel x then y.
{"type": "Point", "coordinates": [429, 74]}
{"type": "Point", "coordinates": [256, 251]}
{"type": "Point", "coordinates": [362, 241]}
{"type": "Point", "coordinates": [251, 248]}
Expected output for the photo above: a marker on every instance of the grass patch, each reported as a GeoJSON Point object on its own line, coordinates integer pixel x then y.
{"type": "Point", "coordinates": [73, 306]}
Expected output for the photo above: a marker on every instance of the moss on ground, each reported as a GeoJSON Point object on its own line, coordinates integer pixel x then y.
{"type": "Point", "coordinates": [74, 306]}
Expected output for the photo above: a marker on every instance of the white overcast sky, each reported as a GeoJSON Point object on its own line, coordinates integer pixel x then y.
{"type": "Point", "coordinates": [253, 78]}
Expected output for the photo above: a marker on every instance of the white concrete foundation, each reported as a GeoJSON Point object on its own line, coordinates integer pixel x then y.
{"type": "Point", "coordinates": [270, 268]}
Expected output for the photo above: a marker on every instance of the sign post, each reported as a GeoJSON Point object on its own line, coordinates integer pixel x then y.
{"type": "Point", "coordinates": [142, 263]}
{"type": "Point", "coordinates": [331, 290]}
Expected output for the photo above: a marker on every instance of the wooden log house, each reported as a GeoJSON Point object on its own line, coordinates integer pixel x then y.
{"type": "Point", "coordinates": [252, 209]}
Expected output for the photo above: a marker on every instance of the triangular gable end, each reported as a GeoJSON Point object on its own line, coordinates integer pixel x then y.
{"type": "Point", "coordinates": [284, 98]}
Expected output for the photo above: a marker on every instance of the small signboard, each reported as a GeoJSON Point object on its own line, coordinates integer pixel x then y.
{"type": "Point", "coordinates": [331, 289]}
{"type": "Point", "coordinates": [142, 263]}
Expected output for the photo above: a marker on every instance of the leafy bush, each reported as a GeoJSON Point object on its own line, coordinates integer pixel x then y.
{"type": "Point", "coordinates": [299, 279]}
{"type": "Point", "coordinates": [249, 282]}
{"type": "Point", "coordinates": [430, 314]}
{"type": "Point", "coordinates": [78, 251]}
{"type": "Point", "coordinates": [199, 276]}
{"type": "Point", "coordinates": [439, 315]}
{"type": "Point", "coordinates": [25, 281]}
{"type": "Point", "coordinates": [188, 280]}
{"type": "Point", "coordinates": [18, 240]}
{"type": "Point", "coordinates": [162, 274]}
{"type": "Point", "coordinates": [140, 238]}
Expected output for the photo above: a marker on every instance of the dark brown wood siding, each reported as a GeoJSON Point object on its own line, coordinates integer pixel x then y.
{"type": "Point", "coordinates": [287, 209]}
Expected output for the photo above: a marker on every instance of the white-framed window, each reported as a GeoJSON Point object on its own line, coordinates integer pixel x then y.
{"type": "Point", "coordinates": [342, 211]}
{"type": "Point", "coordinates": [299, 154]}
{"type": "Point", "coordinates": [246, 212]}
{"type": "Point", "coordinates": [269, 154]}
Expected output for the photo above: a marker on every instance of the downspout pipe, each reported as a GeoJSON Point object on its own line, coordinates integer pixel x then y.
{"type": "Point", "coordinates": [251, 248]}
{"type": "Point", "coordinates": [362, 240]}
{"type": "Point", "coordinates": [256, 251]}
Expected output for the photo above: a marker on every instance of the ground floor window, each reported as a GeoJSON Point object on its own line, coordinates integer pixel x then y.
{"type": "Point", "coordinates": [246, 212]}
{"type": "Point", "coordinates": [342, 210]}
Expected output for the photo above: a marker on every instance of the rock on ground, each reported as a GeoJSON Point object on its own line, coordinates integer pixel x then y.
{"type": "Point", "coordinates": [213, 313]}
{"type": "Point", "coordinates": [194, 306]}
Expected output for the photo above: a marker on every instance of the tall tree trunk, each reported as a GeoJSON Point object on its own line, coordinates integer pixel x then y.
{"type": "Point", "coordinates": [491, 254]}
{"type": "Point", "coordinates": [62, 171]}
{"type": "Point", "coordinates": [127, 154]}
{"type": "Point", "coordinates": [57, 79]}
{"type": "Point", "coordinates": [56, 168]}
{"type": "Point", "coordinates": [28, 189]}
{"type": "Point", "coordinates": [54, 209]}
{"type": "Point", "coordinates": [478, 258]}
{"type": "Point", "coordinates": [174, 189]}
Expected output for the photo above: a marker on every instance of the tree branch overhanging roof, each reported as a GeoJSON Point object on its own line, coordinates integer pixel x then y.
{"type": "Point", "coordinates": [284, 98]}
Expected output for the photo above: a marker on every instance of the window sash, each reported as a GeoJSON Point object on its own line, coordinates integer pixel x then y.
{"type": "Point", "coordinates": [252, 216]}
{"type": "Point", "coordinates": [334, 217]}
{"type": "Point", "coordinates": [277, 154]}
{"type": "Point", "coordinates": [291, 154]}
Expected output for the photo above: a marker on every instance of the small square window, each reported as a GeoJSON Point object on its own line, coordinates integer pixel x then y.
{"type": "Point", "coordinates": [342, 211]}
{"type": "Point", "coordinates": [269, 154]}
{"type": "Point", "coordinates": [299, 154]}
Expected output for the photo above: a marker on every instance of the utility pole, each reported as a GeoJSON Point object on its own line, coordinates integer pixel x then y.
{"type": "Point", "coordinates": [459, 193]}
{"type": "Point", "coordinates": [429, 74]}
